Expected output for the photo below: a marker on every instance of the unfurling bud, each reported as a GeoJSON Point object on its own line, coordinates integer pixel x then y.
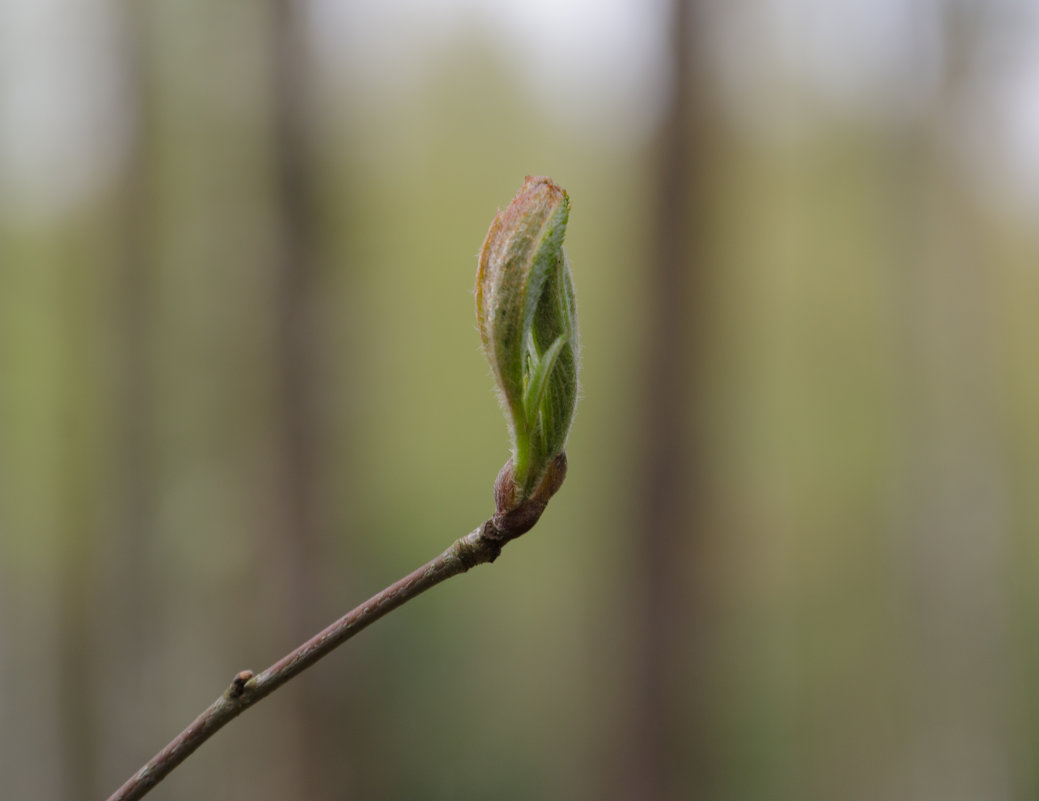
{"type": "Point", "coordinates": [527, 317]}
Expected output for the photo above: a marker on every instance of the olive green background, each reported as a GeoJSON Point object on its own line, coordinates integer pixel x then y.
{"type": "Point", "coordinates": [853, 608]}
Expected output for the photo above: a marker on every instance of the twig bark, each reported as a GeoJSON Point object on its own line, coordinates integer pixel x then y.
{"type": "Point", "coordinates": [479, 546]}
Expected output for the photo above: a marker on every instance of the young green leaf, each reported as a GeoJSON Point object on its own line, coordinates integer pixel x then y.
{"type": "Point", "coordinates": [526, 312]}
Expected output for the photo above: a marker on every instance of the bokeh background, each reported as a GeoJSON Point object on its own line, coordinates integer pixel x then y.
{"type": "Point", "coordinates": [241, 390]}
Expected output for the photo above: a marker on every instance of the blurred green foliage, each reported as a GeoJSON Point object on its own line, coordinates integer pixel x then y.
{"type": "Point", "coordinates": [868, 399]}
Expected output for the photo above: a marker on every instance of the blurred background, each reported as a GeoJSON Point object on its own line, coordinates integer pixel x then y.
{"type": "Point", "coordinates": [241, 390]}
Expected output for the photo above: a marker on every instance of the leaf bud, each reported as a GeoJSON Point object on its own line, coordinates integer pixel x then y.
{"type": "Point", "coordinates": [526, 312]}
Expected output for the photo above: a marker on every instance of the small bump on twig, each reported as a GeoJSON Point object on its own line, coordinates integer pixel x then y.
{"type": "Point", "coordinates": [237, 687]}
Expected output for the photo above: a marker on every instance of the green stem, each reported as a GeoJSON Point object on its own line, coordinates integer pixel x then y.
{"type": "Point", "coordinates": [479, 546]}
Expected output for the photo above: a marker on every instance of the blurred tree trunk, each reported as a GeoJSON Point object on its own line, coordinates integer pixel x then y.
{"type": "Point", "coordinates": [130, 606]}
{"type": "Point", "coordinates": [75, 638]}
{"type": "Point", "coordinates": [954, 516]}
{"type": "Point", "coordinates": [321, 756]}
{"type": "Point", "coordinates": [106, 603]}
{"type": "Point", "coordinates": [667, 750]}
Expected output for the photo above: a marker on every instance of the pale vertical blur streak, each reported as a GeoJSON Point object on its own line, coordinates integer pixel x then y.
{"type": "Point", "coordinates": [127, 599]}
{"type": "Point", "coordinates": [953, 530]}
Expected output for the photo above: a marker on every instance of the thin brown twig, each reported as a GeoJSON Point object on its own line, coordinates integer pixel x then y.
{"type": "Point", "coordinates": [479, 546]}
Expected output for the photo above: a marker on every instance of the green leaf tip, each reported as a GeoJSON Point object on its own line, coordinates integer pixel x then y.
{"type": "Point", "coordinates": [527, 317]}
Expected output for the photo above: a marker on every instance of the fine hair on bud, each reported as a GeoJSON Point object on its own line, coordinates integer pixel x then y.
{"type": "Point", "coordinates": [527, 316]}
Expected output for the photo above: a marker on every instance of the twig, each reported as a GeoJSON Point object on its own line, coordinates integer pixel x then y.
{"type": "Point", "coordinates": [479, 546]}
{"type": "Point", "coordinates": [528, 324]}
